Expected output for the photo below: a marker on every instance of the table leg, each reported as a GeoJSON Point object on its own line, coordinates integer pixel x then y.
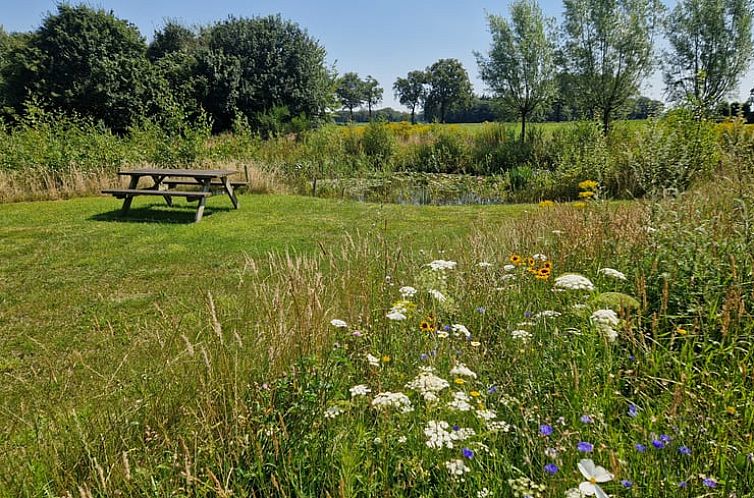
{"type": "Point", "coordinates": [127, 201]}
{"type": "Point", "coordinates": [229, 191]}
{"type": "Point", "coordinates": [202, 200]}
{"type": "Point", "coordinates": [157, 185]}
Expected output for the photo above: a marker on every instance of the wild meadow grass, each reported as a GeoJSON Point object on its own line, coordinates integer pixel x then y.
{"type": "Point", "coordinates": [512, 358]}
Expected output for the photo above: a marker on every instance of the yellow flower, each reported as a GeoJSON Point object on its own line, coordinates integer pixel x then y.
{"type": "Point", "coordinates": [475, 394]}
{"type": "Point", "coordinates": [386, 358]}
{"type": "Point", "coordinates": [588, 185]}
{"type": "Point", "coordinates": [459, 381]}
{"type": "Point", "coordinates": [546, 204]}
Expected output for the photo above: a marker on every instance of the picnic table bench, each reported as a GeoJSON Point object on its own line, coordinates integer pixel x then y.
{"type": "Point", "coordinates": [210, 181]}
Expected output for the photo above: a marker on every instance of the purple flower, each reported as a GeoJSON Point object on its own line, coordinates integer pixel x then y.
{"type": "Point", "coordinates": [551, 469]}
{"type": "Point", "coordinates": [585, 447]}
{"type": "Point", "coordinates": [586, 419]}
{"type": "Point", "coordinates": [640, 448]}
{"type": "Point", "coordinates": [468, 453]}
{"type": "Point", "coordinates": [684, 450]}
{"type": "Point", "coordinates": [633, 410]}
{"type": "Point", "coordinates": [709, 482]}
{"type": "Point", "coordinates": [626, 483]}
{"type": "Point", "coordinates": [545, 429]}
{"type": "Point", "coordinates": [657, 443]}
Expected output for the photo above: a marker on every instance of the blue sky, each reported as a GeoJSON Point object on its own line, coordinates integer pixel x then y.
{"type": "Point", "coordinates": [384, 38]}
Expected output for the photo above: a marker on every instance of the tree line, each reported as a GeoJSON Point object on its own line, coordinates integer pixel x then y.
{"type": "Point", "coordinates": [263, 71]}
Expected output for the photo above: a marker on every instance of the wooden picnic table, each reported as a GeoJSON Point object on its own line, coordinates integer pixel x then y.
{"type": "Point", "coordinates": [209, 180]}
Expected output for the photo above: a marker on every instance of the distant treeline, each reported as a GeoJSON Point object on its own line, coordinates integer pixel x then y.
{"type": "Point", "coordinates": [267, 74]}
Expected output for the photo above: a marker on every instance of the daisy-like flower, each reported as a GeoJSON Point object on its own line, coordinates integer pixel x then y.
{"type": "Point", "coordinates": [594, 475]}
{"type": "Point", "coordinates": [438, 295]}
{"type": "Point", "coordinates": [463, 370]}
{"type": "Point", "coordinates": [441, 265]}
{"type": "Point", "coordinates": [573, 281]}
{"type": "Point", "coordinates": [407, 292]}
{"type": "Point", "coordinates": [338, 323]}
{"type": "Point", "coordinates": [359, 390]}
{"type": "Point", "coordinates": [613, 273]}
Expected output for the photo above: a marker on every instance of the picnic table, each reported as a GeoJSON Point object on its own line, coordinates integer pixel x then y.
{"type": "Point", "coordinates": [164, 181]}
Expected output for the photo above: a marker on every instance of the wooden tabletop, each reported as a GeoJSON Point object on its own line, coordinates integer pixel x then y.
{"type": "Point", "coordinates": [186, 173]}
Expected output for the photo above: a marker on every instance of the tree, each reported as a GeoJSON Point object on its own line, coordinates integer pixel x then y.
{"type": "Point", "coordinates": [449, 88]}
{"type": "Point", "coordinates": [253, 65]}
{"type": "Point", "coordinates": [711, 48]}
{"type": "Point", "coordinates": [350, 92]}
{"type": "Point", "coordinates": [520, 65]}
{"type": "Point", "coordinates": [172, 38]}
{"type": "Point", "coordinates": [608, 51]}
{"type": "Point", "coordinates": [372, 93]}
{"type": "Point", "coordinates": [88, 62]}
{"type": "Point", "coordinates": [410, 91]}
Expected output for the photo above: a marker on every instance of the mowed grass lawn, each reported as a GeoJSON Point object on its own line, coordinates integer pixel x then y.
{"type": "Point", "coordinates": [79, 282]}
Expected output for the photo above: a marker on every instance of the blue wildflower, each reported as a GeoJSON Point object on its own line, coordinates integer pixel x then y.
{"type": "Point", "coordinates": [551, 469]}
{"type": "Point", "coordinates": [585, 447]}
{"type": "Point", "coordinates": [709, 482]}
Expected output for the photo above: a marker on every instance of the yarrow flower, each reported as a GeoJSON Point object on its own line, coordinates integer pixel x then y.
{"type": "Point", "coordinates": [457, 468]}
{"type": "Point", "coordinates": [338, 323]}
{"type": "Point", "coordinates": [610, 272]}
{"type": "Point", "coordinates": [428, 384]}
{"type": "Point", "coordinates": [441, 265]}
{"type": "Point", "coordinates": [605, 320]}
{"type": "Point", "coordinates": [593, 474]}
{"type": "Point", "coordinates": [573, 281]}
{"type": "Point", "coordinates": [359, 390]}
{"type": "Point", "coordinates": [463, 370]}
{"type": "Point", "coordinates": [407, 292]}
{"type": "Point", "coordinates": [392, 400]}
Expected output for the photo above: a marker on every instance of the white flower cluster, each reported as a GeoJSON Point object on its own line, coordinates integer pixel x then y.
{"type": "Point", "coordinates": [460, 402]}
{"type": "Point", "coordinates": [428, 384]}
{"type": "Point", "coordinates": [334, 411]}
{"type": "Point", "coordinates": [462, 370]}
{"type": "Point", "coordinates": [373, 360]}
{"type": "Point", "coordinates": [610, 272]}
{"type": "Point", "coordinates": [605, 320]}
{"type": "Point", "coordinates": [359, 390]}
{"type": "Point", "coordinates": [441, 265]}
{"type": "Point", "coordinates": [438, 295]}
{"type": "Point", "coordinates": [459, 330]}
{"type": "Point", "coordinates": [521, 335]}
{"type": "Point", "coordinates": [547, 314]}
{"type": "Point", "coordinates": [573, 281]}
{"type": "Point", "coordinates": [392, 400]}
{"type": "Point", "coordinates": [457, 467]}
{"type": "Point", "coordinates": [407, 292]}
